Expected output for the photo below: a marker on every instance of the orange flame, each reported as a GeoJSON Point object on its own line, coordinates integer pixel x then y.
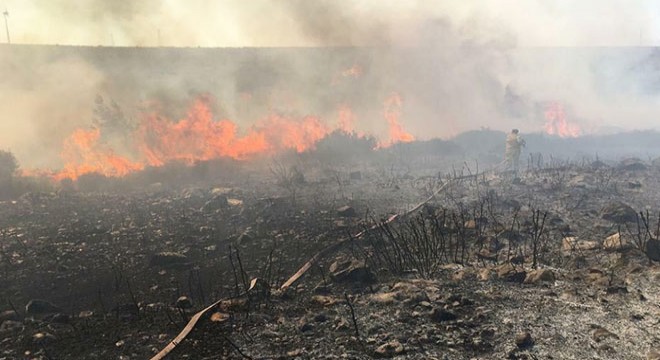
{"type": "Point", "coordinates": [83, 154]}
{"type": "Point", "coordinates": [346, 119]}
{"type": "Point", "coordinates": [199, 137]}
{"type": "Point", "coordinates": [556, 123]}
{"type": "Point", "coordinates": [392, 114]}
{"type": "Point", "coordinates": [354, 72]}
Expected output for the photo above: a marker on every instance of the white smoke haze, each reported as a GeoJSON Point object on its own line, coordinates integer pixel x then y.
{"type": "Point", "coordinates": [43, 102]}
{"type": "Point", "coordinates": [458, 65]}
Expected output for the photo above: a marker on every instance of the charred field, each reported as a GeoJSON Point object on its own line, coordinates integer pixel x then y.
{"type": "Point", "coordinates": [559, 263]}
{"type": "Point", "coordinates": [237, 196]}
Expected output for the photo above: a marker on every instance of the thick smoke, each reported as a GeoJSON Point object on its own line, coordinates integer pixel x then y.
{"type": "Point", "coordinates": [43, 101]}
{"type": "Point", "coordinates": [457, 65]}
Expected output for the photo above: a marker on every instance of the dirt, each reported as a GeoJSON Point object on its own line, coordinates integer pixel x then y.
{"type": "Point", "coordinates": [111, 268]}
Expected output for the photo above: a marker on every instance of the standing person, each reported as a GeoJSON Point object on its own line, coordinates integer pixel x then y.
{"type": "Point", "coordinates": [514, 145]}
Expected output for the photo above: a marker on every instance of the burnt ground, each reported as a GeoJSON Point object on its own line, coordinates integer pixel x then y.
{"type": "Point", "coordinates": [455, 280]}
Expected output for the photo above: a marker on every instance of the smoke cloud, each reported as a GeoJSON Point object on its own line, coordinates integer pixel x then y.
{"type": "Point", "coordinates": [457, 65]}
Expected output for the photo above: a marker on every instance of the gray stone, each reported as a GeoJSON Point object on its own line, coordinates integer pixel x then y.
{"type": "Point", "coordinates": [441, 315]}
{"type": "Point", "coordinates": [540, 275]}
{"type": "Point", "coordinates": [346, 211]}
{"type": "Point", "coordinates": [168, 259]}
{"type": "Point", "coordinates": [38, 306]}
{"type": "Point", "coordinates": [351, 271]}
{"type": "Point", "coordinates": [10, 326]}
{"type": "Point", "coordinates": [184, 302]}
{"type": "Point", "coordinates": [618, 212]}
{"type": "Point", "coordinates": [524, 340]}
{"type": "Point", "coordinates": [9, 315]}
{"type": "Point", "coordinates": [217, 202]}
{"type": "Point", "coordinates": [43, 338]}
{"type": "Point", "coordinates": [653, 249]}
{"type": "Point", "coordinates": [389, 349]}
{"type": "Point", "coordinates": [632, 164]}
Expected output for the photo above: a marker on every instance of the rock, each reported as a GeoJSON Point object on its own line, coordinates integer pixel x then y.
{"type": "Point", "coordinates": [616, 289]}
{"type": "Point", "coordinates": [441, 315]}
{"type": "Point", "coordinates": [184, 302]}
{"type": "Point", "coordinates": [600, 334]}
{"type": "Point", "coordinates": [654, 354]}
{"type": "Point", "coordinates": [235, 202]}
{"type": "Point", "coordinates": [384, 298]}
{"type": "Point", "coordinates": [632, 164]}
{"type": "Point", "coordinates": [168, 259]}
{"type": "Point", "coordinates": [10, 326]}
{"type": "Point", "coordinates": [346, 211]}
{"type": "Point", "coordinates": [220, 191]}
{"type": "Point", "coordinates": [351, 271]}
{"type": "Point", "coordinates": [572, 243]}
{"type": "Point", "coordinates": [324, 300]}
{"type": "Point", "coordinates": [597, 277]}
{"type": "Point", "coordinates": [8, 315]}
{"type": "Point", "coordinates": [305, 326]}
{"type": "Point", "coordinates": [38, 306]}
{"type": "Point", "coordinates": [616, 243]}
{"type": "Point", "coordinates": [652, 249]}
{"type": "Point", "coordinates": [43, 338]}
{"type": "Point", "coordinates": [598, 165]}
{"type": "Point", "coordinates": [60, 318]}
{"type": "Point", "coordinates": [321, 317]}
{"type": "Point", "coordinates": [510, 273]}
{"type": "Point", "coordinates": [217, 202]}
{"type": "Point", "coordinates": [355, 175]}
{"type": "Point", "coordinates": [86, 314]}
{"type": "Point", "coordinates": [559, 224]}
{"type": "Point", "coordinates": [464, 274]}
{"type": "Point", "coordinates": [484, 274]}
{"type": "Point", "coordinates": [294, 353]}
{"type": "Point", "coordinates": [540, 275]}
{"type": "Point", "coordinates": [504, 270]}
{"type": "Point", "coordinates": [390, 349]}
{"type": "Point", "coordinates": [246, 237]}
{"type": "Point", "coordinates": [619, 213]}
{"type": "Point", "coordinates": [524, 340]}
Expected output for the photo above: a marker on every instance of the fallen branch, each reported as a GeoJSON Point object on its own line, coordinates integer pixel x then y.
{"type": "Point", "coordinates": [186, 330]}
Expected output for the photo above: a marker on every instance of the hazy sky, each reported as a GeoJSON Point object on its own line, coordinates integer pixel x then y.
{"type": "Point", "coordinates": [293, 22]}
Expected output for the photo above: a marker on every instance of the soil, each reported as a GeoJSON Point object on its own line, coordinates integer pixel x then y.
{"type": "Point", "coordinates": [525, 271]}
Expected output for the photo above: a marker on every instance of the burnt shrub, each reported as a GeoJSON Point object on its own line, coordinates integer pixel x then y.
{"type": "Point", "coordinates": [343, 147]}
{"type": "Point", "coordinates": [93, 182]}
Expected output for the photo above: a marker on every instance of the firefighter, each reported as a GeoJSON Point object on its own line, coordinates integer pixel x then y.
{"type": "Point", "coordinates": [514, 145]}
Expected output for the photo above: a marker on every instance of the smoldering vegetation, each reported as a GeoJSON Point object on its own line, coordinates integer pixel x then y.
{"type": "Point", "coordinates": [449, 84]}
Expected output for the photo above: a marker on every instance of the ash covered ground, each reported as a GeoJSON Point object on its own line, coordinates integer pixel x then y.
{"type": "Point", "coordinates": [560, 263]}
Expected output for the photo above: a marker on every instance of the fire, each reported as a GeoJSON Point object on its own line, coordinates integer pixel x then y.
{"type": "Point", "coordinates": [354, 72]}
{"type": "Point", "coordinates": [83, 153]}
{"type": "Point", "coordinates": [346, 119]}
{"type": "Point", "coordinates": [392, 114]}
{"type": "Point", "coordinates": [556, 123]}
{"type": "Point", "coordinates": [198, 136]}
